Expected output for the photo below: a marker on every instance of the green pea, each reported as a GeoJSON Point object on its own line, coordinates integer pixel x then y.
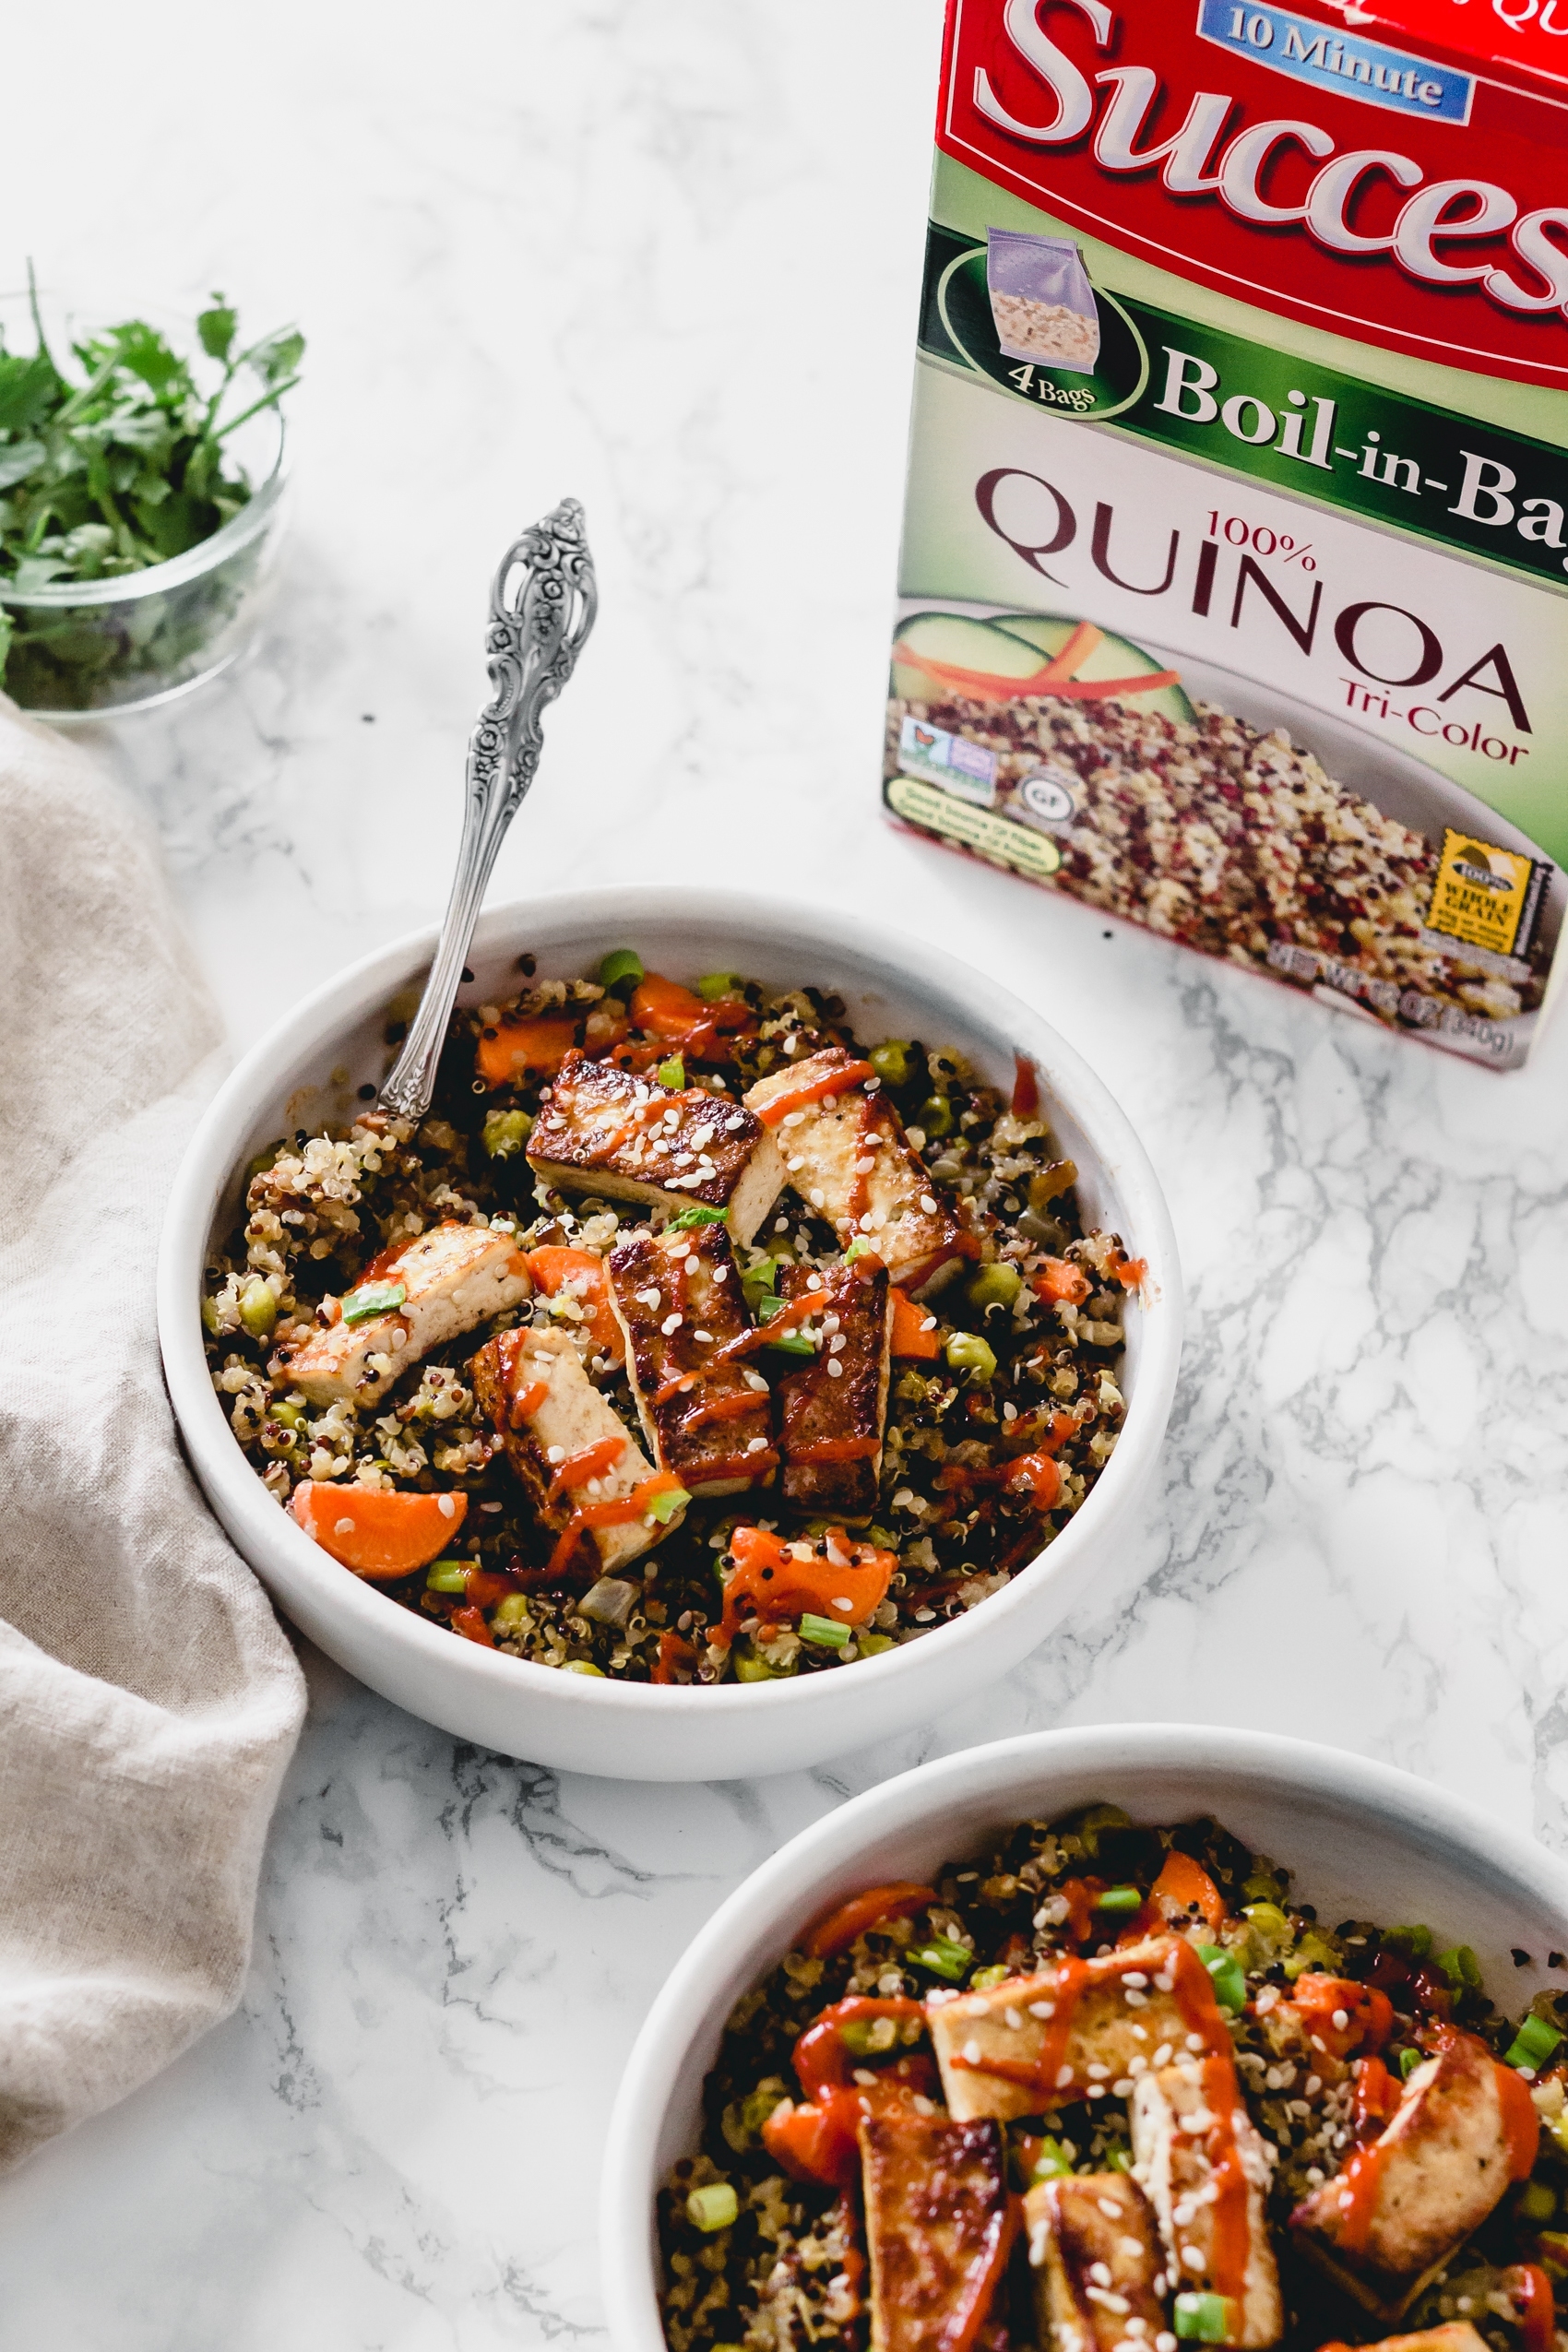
{"type": "Point", "coordinates": [289, 1415]}
{"type": "Point", "coordinates": [622, 968]}
{"type": "Point", "coordinates": [891, 1061]}
{"type": "Point", "coordinates": [713, 985]}
{"type": "Point", "coordinates": [505, 1133]}
{"type": "Point", "coordinates": [968, 1352]}
{"type": "Point", "coordinates": [996, 1285]}
{"type": "Point", "coordinates": [258, 1308]}
{"type": "Point", "coordinates": [935, 1116]}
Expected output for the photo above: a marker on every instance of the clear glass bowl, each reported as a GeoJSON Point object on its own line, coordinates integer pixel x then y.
{"type": "Point", "coordinates": [87, 647]}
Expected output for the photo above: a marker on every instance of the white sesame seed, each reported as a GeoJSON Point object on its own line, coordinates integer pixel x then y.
{"type": "Point", "coordinates": [1042, 2009]}
{"type": "Point", "coordinates": [1014, 2019]}
{"type": "Point", "coordinates": [755, 1380]}
{"type": "Point", "coordinates": [792, 1164]}
{"type": "Point", "coordinates": [1124, 2089]}
{"type": "Point", "coordinates": [1064, 2076]}
{"type": "Point", "coordinates": [1194, 2041]}
{"type": "Point", "coordinates": [1193, 2257]}
{"type": "Point", "coordinates": [1136, 1977]}
{"type": "Point", "coordinates": [343, 1528]}
{"type": "Point", "coordinates": [1112, 2212]}
{"type": "Point", "coordinates": [448, 1505]}
{"type": "Point", "coordinates": [1100, 2272]}
{"type": "Point", "coordinates": [757, 1445]}
{"type": "Point", "coordinates": [816, 1197]}
{"type": "Point", "coordinates": [704, 1335]}
{"type": "Point", "coordinates": [734, 1125]}
{"type": "Point", "coordinates": [835, 1369]}
{"type": "Point", "coordinates": [1161, 2056]}
{"type": "Point", "coordinates": [1341, 2019]}
{"type": "Point", "coordinates": [554, 1453]}
{"type": "Point", "coordinates": [672, 1323]}
{"type": "Point", "coordinates": [1097, 2073]}
{"type": "Point", "coordinates": [1137, 2064]}
{"type": "Point", "coordinates": [971, 2052]}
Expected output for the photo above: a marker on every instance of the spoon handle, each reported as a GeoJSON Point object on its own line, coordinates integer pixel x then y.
{"type": "Point", "coordinates": [542, 602]}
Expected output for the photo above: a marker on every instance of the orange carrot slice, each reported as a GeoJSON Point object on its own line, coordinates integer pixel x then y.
{"type": "Point", "coordinates": [554, 1268]}
{"type": "Point", "coordinates": [380, 1533]}
{"type": "Point", "coordinates": [911, 1335]}
{"type": "Point", "coordinates": [514, 1048]}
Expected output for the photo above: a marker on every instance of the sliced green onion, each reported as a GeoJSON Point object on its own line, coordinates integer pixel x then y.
{"type": "Point", "coordinates": [856, 1249]}
{"type": "Point", "coordinates": [984, 1978]}
{"type": "Point", "coordinates": [672, 1073]}
{"type": "Point", "coordinates": [765, 1274]}
{"type": "Point", "coordinates": [824, 1633]}
{"type": "Point", "coordinates": [750, 1667]}
{"type": "Point", "coordinates": [621, 963]}
{"type": "Point", "coordinates": [1408, 2060]}
{"type": "Point", "coordinates": [663, 1507]}
{"type": "Point", "coordinates": [697, 1216]}
{"type": "Point", "coordinates": [1204, 2318]}
{"type": "Point", "coordinates": [1537, 2202]}
{"type": "Point", "coordinates": [373, 1299]}
{"type": "Point", "coordinates": [584, 1666]}
{"type": "Point", "coordinates": [1417, 1942]}
{"type": "Point", "coordinates": [1230, 1983]}
{"type": "Point", "coordinates": [943, 1958]}
{"type": "Point", "coordinates": [447, 1576]}
{"type": "Point", "coordinates": [714, 2207]}
{"type": "Point", "coordinates": [1461, 1968]}
{"type": "Point", "coordinates": [713, 985]}
{"type": "Point", "coordinates": [1119, 1898]}
{"type": "Point", "coordinates": [505, 1133]}
{"type": "Point", "coordinates": [1052, 2161]}
{"type": "Point", "coordinates": [794, 1343]}
{"type": "Point", "coordinates": [872, 1645]}
{"type": "Point", "coordinates": [1119, 2159]}
{"type": "Point", "coordinates": [1533, 2044]}
{"type": "Point", "coordinates": [512, 1612]}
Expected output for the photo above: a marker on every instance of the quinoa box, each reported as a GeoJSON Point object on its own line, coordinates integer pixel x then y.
{"type": "Point", "coordinates": [1235, 553]}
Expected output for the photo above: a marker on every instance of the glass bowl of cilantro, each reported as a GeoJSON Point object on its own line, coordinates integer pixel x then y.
{"type": "Point", "coordinates": [140, 498]}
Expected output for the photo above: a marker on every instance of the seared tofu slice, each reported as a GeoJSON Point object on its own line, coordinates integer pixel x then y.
{"type": "Point", "coordinates": [1187, 2120]}
{"type": "Point", "coordinates": [846, 1154]}
{"type": "Point", "coordinates": [938, 2227]}
{"type": "Point", "coordinates": [1123, 2011]}
{"type": "Point", "coordinates": [549, 1416]}
{"type": "Point", "coordinates": [834, 1405]}
{"type": "Point", "coordinates": [678, 1300]}
{"type": "Point", "coordinates": [1096, 2255]}
{"type": "Point", "coordinates": [1403, 2205]}
{"type": "Point", "coordinates": [607, 1130]}
{"type": "Point", "coordinates": [452, 1277]}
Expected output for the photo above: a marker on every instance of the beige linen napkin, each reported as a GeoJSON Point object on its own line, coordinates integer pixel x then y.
{"type": "Point", "coordinates": [149, 1699]}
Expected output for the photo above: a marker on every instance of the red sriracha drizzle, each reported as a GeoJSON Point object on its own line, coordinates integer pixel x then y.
{"type": "Point", "coordinates": [817, 2141]}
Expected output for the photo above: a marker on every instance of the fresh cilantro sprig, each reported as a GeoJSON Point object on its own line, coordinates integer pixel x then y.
{"type": "Point", "coordinates": [120, 462]}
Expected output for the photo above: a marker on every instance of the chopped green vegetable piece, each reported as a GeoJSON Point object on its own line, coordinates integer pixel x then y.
{"type": "Point", "coordinates": [714, 2207]}
{"type": "Point", "coordinates": [1119, 2159]}
{"type": "Point", "coordinates": [1312, 1952]}
{"type": "Point", "coordinates": [824, 1633]}
{"type": "Point", "coordinates": [1204, 2318]}
{"type": "Point", "coordinates": [1408, 2060]}
{"type": "Point", "coordinates": [622, 965]}
{"type": "Point", "coordinates": [1559, 2130]}
{"type": "Point", "coordinates": [1537, 2202]}
{"type": "Point", "coordinates": [713, 985]}
{"type": "Point", "coordinates": [584, 1666]}
{"type": "Point", "coordinates": [1461, 1968]}
{"type": "Point", "coordinates": [373, 1299]}
{"type": "Point", "coordinates": [872, 1645]}
{"type": "Point", "coordinates": [792, 1343]}
{"type": "Point", "coordinates": [505, 1133]}
{"type": "Point", "coordinates": [291, 1415]}
{"type": "Point", "coordinates": [935, 1116]}
{"type": "Point", "coordinates": [1052, 2161]}
{"type": "Point", "coordinates": [1417, 1942]}
{"type": "Point", "coordinates": [1230, 1983]}
{"type": "Point", "coordinates": [996, 1285]}
{"type": "Point", "coordinates": [1119, 1898]}
{"type": "Point", "coordinates": [447, 1576]}
{"type": "Point", "coordinates": [891, 1061]}
{"type": "Point", "coordinates": [1533, 2044]}
{"type": "Point", "coordinates": [1092, 1820]}
{"type": "Point", "coordinates": [513, 1613]}
{"type": "Point", "coordinates": [750, 1667]}
{"type": "Point", "coordinates": [943, 1958]}
{"type": "Point", "coordinates": [984, 1978]}
{"type": "Point", "coordinates": [968, 1352]}
{"type": "Point", "coordinates": [672, 1073]}
{"type": "Point", "coordinates": [1556, 2242]}
{"type": "Point", "coordinates": [663, 1507]}
{"type": "Point", "coordinates": [698, 1216]}
{"type": "Point", "coordinates": [258, 1308]}
{"type": "Point", "coordinates": [1269, 1919]}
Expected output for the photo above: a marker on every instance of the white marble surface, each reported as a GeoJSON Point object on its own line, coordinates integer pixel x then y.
{"type": "Point", "coordinates": [664, 254]}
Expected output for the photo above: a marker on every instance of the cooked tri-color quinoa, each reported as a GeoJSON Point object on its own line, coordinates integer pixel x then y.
{"type": "Point", "coordinates": [1238, 842]}
{"type": "Point", "coordinates": [1301, 2133]}
{"type": "Point", "coordinates": [999, 1402]}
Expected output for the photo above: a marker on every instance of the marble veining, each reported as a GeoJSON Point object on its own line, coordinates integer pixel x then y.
{"type": "Point", "coordinates": [666, 257]}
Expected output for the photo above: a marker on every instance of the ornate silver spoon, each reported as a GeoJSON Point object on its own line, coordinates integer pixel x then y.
{"type": "Point", "coordinates": [542, 602]}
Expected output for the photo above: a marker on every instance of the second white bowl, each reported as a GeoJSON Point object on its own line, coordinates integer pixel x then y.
{"type": "Point", "coordinates": [306, 1074]}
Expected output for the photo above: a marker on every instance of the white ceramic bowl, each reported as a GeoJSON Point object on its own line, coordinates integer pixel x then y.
{"type": "Point", "coordinates": [1363, 1841]}
{"type": "Point", "coordinates": [305, 1073]}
